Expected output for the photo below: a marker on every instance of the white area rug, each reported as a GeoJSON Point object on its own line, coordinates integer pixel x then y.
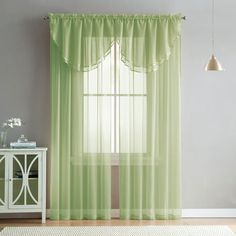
{"type": "Point", "coordinates": [119, 231]}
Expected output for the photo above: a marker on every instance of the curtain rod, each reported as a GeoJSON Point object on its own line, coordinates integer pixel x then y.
{"type": "Point", "coordinates": [47, 18]}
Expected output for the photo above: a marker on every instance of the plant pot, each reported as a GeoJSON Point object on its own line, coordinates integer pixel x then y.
{"type": "Point", "coordinates": [3, 139]}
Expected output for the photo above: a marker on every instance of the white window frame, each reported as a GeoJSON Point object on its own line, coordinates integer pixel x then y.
{"type": "Point", "coordinates": [115, 155]}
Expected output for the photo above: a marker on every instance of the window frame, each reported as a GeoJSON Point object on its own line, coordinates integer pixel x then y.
{"type": "Point", "coordinates": [116, 154]}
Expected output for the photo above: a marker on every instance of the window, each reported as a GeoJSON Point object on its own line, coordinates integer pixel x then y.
{"type": "Point", "coordinates": [115, 107]}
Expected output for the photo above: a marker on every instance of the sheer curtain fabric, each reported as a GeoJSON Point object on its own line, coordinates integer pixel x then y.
{"type": "Point", "coordinates": [115, 93]}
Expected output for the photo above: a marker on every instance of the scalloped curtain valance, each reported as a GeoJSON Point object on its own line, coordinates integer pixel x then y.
{"type": "Point", "coordinates": [84, 40]}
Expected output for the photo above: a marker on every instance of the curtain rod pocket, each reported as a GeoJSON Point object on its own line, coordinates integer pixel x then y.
{"type": "Point", "coordinates": [47, 18]}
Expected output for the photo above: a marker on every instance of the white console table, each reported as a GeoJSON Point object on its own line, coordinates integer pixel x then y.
{"type": "Point", "coordinates": [23, 181]}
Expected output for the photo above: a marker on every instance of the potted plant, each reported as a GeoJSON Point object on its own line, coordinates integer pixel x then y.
{"type": "Point", "coordinates": [10, 123]}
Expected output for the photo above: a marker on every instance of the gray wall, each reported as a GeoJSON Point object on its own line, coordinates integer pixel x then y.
{"type": "Point", "coordinates": [208, 99]}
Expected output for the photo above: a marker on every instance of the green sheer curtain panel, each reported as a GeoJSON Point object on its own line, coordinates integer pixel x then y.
{"type": "Point", "coordinates": [150, 173]}
{"type": "Point", "coordinates": [115, 93]}
{"type": "Point", "coordinates": [80, 183]}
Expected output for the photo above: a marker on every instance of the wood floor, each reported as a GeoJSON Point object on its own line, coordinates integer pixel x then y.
{"type": "Point", "coordinates": [231, 222]}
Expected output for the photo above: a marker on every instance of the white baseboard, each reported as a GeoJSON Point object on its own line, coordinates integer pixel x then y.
{"type": "Point", "coordinates": [193, 213]}
{"type": "Point", "coordinates": [198, 213]}
{"type": "Point", "coordinates": [186, 213]}
{"type": "Point", "coordinates": [209, 213]}
{"type": "Point", "coordinates": [115, 213]}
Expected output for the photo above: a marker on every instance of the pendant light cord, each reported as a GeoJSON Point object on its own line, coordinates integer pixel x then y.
{"type": "Point", "coordinates": [213, 27]}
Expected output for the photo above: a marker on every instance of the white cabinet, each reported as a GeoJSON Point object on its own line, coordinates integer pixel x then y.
{"type": "Point", "coordinates": [23, 181]}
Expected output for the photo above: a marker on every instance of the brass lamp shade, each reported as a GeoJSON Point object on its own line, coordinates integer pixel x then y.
{"type": "Point", "coordinates": [213, 64]}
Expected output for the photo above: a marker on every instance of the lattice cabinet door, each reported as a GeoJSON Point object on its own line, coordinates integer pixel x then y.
{"type": "Point", "coordinates": [25, 180]}
{"type": "Point", "coordinates": [3, 181]}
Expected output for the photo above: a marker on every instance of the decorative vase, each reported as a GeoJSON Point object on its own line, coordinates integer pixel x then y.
{"type": "Point", "coordinates": [3, 139]}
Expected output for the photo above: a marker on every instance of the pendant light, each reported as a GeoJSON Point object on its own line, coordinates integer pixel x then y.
{"type": "Point", "coordinates": [213, 64]}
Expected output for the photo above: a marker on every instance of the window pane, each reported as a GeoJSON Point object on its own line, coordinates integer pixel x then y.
{"type": "Point", "coordinates": [132, 124]}
{"type": "Point", "coordinates": [130, 82]}
{"type": "Point", "coordinates": [101, 79]}
{"type": "Point", "coordinates": [98, 124]}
